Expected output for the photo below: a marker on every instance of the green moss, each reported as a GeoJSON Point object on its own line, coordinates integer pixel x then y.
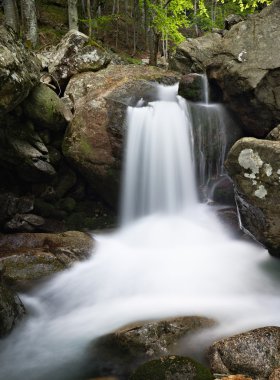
{"type": "Point", "coordinates": [85, 147]}
{"type": "Point", "coordinates": [172, 366]}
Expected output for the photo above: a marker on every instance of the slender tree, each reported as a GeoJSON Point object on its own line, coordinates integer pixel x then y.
{"type": "Point", "coordinates": [11, 15]}
{"type": "Point", "coordinates": [73, 14]}
{"type": "Point", "coordinates": [29, 22]}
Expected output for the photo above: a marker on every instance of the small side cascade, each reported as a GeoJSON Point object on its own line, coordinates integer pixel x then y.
{"type": "Point", "coordinates": [211, 128]}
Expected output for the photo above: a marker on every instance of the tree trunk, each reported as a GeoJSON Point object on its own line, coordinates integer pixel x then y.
{"type": "Point", "coordinates": [29, 22]}
{"type": "Point", "coordinates": [73, 15]}
{"type": "Point", "coordinates": [11, 15]}
{"type": "Point", "coordinates": [89, 19]}
{"type": "Point", "coordinates": [154, 45]}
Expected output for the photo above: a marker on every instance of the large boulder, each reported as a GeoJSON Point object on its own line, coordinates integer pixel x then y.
{"type": "Point", "coordinates": [94, 139]}
{"type": "Point", "coordinates": [26, 257]}
{"type": "Point", "coordinates": [19, 71]}
{"type": "Point", "coordinates": [73, 55]}
{"type": "Point", "coordinates": [195, 54]}
{"type": "Point", "coordinates": [247, 69]}
{"type": "Point", "coordinates": [11, 309]}
{"type": "Point", "coordinates": [120, 352]}
{"type": "Point", "coordinates": [255, 353]}
{"type": "Point", "coordinates": [46, 109]}
{"type": "Point", "coordinates": [254, 167]}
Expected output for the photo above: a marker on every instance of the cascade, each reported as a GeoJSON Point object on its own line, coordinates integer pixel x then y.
{"type": "Point", "coordinates": [171, 257]}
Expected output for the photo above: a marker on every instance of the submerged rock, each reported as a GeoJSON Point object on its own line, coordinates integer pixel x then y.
{"type": "Point", "coordinates": [26, 257]}
{"type": "Point", "coordinates": [171, 368]}
{"type": "Point", "coordinates": [93, 142]}
{"type": "Point", "coordinates": [255, 353]}
{"type": "Point", "coordinates": [253, 166]}
{"type": "Point", "coordinates": [11, 309]}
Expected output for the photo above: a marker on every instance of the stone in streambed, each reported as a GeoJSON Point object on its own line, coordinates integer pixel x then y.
{"type": "Point", "coordinates": [255, 353]}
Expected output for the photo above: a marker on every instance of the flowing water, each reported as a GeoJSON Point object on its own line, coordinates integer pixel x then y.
{"type": "Point", "coordinates": [171, 257]}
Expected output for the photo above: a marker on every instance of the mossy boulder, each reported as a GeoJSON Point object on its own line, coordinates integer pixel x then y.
{"type": "Point", "coordinates": [170, 368]}
{"type": "Point", "coordinates": [93, 142]}
{"type": "Point", "coordinates": [11, 309]}
{"type": "Point", "coordinates": [46, 109]}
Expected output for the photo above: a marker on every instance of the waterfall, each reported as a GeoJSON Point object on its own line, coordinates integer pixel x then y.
{"type": "Point", "coordinates": [159, 170]}
{"type": "Point", "coordinates": [173, 258]}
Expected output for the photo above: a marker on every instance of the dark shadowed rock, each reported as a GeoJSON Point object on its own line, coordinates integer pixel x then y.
{"type": "Point", "coordinates": [254, 168]}
{"type": "Point", "coordinates": [171, 368]}
{"type": "Point", "coordinates": [231, 20]}
{"type": "Point", "coordinates": [255, 353]}
{"type": "Point", "coordinates": [94, 139]}
{"type": "Point", "coordinates": [191, 87]}
{"type": "Point", "coordinates": [26, 257]}
{"type": "Point", "coordinates": [19, 71]}
{"type": "Point", "coordinates": [11, 309]}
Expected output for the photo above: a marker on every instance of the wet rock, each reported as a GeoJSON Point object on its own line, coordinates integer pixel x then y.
{"type": "Point", "coordinates": [255, 353]}
{"type": "Point", "coordinates": [26, 257]}
{"type": "Point", "coordinates": [94, 139]}
{"type": "Point", "coordinates": [19, 71]}
{"type": "Point", "coordinates": [121, 352]}
{"type": "Point", "coordinates": [72, 56]}
{"type": "Point", "coordinates": [46, 109]}
{"type": "Point", "coordinates": [172, 367]}
{"type": "Point", "coordinates": [11, 309]}
{"type": "Point", "coordinates": [253, 167]}
{"type": "Point", "coordinates": [247, 69]}
{"type": "Point", "coordinates": [191, 87]}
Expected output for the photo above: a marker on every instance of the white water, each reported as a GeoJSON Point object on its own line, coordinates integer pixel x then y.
{"type": "Point", "coordinates": [171, 262]}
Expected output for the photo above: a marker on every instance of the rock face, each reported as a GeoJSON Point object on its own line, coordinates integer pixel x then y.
{"type": "Point", "coordinates": [191, 87]}
{"type": "Point", "coordinates": [255, 353]}
{"type": "Point", "coordinates": [11, 309]}
{"type": "Point", "coordinates": [170, 368]}
{"type": "Point", "coordinates": [244, 65]}
{"type": "Point", "coordinates": [254, 167]}
{"type": "Point", "coordinates": [29, 256]}
{"type": "Point", "coordinates": [94, 140]}
{"type": "Point", "coordinates": [119, 353]}
{"type": "Point", "coordinates": [18, 71]}
{"type": "Point", "coordinates": [247, 69]}
{"type": "Point", "coordinates": [194, 54]}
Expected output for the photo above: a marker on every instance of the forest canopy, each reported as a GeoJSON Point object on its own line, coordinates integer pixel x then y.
{"type": "Point", "coordinates": [133, 26]}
